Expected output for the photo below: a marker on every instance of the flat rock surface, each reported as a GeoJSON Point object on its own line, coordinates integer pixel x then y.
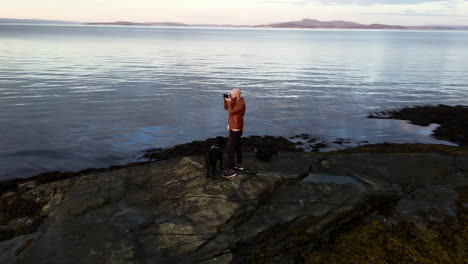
{"type": "Point", "coordinates": [169, 212]}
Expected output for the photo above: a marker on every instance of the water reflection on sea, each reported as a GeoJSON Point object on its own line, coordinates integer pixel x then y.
{"type": "Point", "coordinates": [73, 97]}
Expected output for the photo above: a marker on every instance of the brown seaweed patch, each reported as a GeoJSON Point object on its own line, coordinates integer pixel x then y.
{"type": "Point", "coordinates": [13, 208]}
{"type": "Point", "coordinates": [403, 243]}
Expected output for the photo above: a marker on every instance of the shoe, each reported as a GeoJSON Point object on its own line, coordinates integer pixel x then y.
{"type": "Point", "coordinates": [229, 173]}
{"type": "Point", "coordinates": [239, 167]}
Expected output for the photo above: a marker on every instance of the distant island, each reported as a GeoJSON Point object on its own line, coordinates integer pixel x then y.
{"type": "Point", "coordinates": [304, 23]}
{"type": "Point", "coordinates": [312, 23]}
{"type": "Point", "coordinates": [34, 21]}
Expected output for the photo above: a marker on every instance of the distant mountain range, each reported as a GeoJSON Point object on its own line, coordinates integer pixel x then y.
{"type": "Point", "coordinates": [304, 23]}
{"type": "Point", "coordinates": [312, 23]}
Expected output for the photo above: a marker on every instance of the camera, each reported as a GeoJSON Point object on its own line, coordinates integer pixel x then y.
{"type": "Point", "coordinates": [226, 95]}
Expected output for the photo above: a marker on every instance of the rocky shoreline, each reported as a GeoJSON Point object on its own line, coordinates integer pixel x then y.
{"type": "Point", "coordinates": [304, 206]}
{"type": "Point", "coordinates": [299, 143]}
{"type": "Point", "coordinates": [453, 120]}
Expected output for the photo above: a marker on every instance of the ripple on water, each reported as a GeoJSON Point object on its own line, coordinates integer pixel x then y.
{"type": "Point", "coordinates": [97, 93]}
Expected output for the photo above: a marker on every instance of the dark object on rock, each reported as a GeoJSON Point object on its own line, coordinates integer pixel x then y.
{"type": "Point", "coordinates": [279, 143]}
{"type": "Point", "coordinates": [265, 151]}
{"type": "Point", "coordinates": [453, 120]}
{"type": "Point", "coordinates": [341, 141]}
{"type": "Point", "coordinates": [199, 147]}
{"type": "Point", "coordinates": [214, 154]}
{"type": "Point", "coordinates": [303, 136]}
{"type": "Point", "coordinates": [318, 146]}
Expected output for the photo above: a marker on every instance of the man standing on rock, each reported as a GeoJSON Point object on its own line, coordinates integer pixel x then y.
{"type": "Point", "coordinates": [235, 105]}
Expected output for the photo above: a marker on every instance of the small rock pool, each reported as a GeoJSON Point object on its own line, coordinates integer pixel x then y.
{"type": "Point", "coordinates": [328, 178]}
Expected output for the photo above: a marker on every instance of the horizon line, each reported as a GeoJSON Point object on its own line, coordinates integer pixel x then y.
{"type": "Point", "coordinates": [223, 24]}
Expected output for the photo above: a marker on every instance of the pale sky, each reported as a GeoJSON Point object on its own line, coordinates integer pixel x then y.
{"type": "Point", "coordinates": [242, 12]}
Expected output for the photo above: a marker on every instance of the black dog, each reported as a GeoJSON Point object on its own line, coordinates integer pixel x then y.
{"type": "Point", "coordinates": [265, 151]}
{"type": "Point", "coordinates": [212, 157]}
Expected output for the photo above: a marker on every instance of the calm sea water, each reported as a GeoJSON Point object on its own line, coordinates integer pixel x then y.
{"type": "Point", "coordinates": [73, 97]}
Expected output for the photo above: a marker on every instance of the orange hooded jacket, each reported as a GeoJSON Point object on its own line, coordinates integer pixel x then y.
{"type": "Point", "coordinates": [236, 114]}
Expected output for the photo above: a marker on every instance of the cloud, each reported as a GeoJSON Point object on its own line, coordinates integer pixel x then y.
{"type": "Point", "coordinates": [441, 9]}
{"type": "Point", "coordinates": [415, 14]}
{"type": "Point", "coordinates": [353, 2]}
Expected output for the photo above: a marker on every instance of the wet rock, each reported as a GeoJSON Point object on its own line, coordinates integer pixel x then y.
{"type": "Point", "coordinates": [9, 249]}
{"type": "Point", "coordinates": [167, 211]}
{"type": "Point", "coordinates": [429, 204]}
{"type": "Point", "coordinates": [380, 170]}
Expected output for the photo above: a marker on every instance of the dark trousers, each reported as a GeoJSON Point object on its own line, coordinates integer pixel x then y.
{"type": "Point", "coordinates": [234, 150]}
